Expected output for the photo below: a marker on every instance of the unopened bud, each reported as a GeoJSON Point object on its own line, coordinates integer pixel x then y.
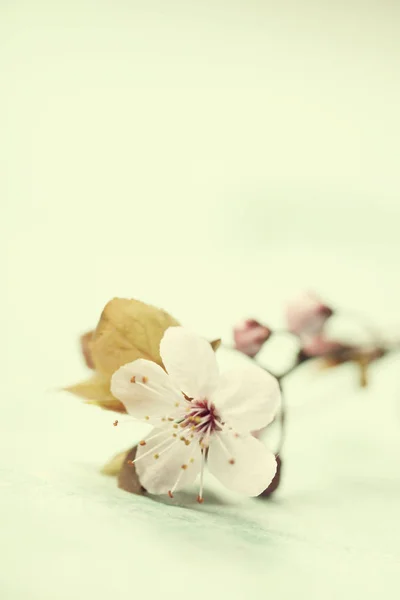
{"type": "Point", "coordinates": [250, 336]}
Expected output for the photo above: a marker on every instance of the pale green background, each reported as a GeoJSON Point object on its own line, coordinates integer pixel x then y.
{"type": "Point", "coordinates": [213, 158]}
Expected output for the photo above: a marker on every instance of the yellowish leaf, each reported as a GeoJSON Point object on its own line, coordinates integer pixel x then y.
{"type": "Point", "coordinates": [215, 344]}
{"type": "Point", "coordinates": [127, 330]}
{"type": "Point", "coordinates": [113, 466]}
{"type": "Point", "coordinates": [85, 340]}
{"type": "Point", "coordinates": [96, 390]}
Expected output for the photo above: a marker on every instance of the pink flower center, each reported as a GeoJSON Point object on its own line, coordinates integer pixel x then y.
{"type": "Point", "coordinates": [202, 418]}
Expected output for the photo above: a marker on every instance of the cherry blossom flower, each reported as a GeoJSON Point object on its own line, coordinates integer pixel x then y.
{"type": "Point", "coordinates": [198, 416]}
{"type": "Point", "coordinates": [250, 336]}
{"type": "Point", "coordinates": [306, 315]}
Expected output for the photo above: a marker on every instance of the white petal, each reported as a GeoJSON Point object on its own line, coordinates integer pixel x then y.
{"type": "Point", "coordinates": [162, 474]}
{"type": "Point", "coordinates": [146, 390]}
{"type": "Point", "coordinates": [190, 361]}
{"type": "Point", "coordinates": [247, 399]}
{"type": "Point", "coordinates": [243, 464]}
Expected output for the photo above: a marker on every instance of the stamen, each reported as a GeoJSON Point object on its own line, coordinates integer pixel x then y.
{"type": "Point", "coordinates": [172, 490]}
{"type": "Point", "coordinates": [180, 474]}
{"type": "Point", "coordinates": [152, 449]}
{"type": "Point", "coordinates": [168, 447]}
{"type": "Point", "coordinates": [185, 432]}
{"type": "Point", "coordinates": [115, 422]}
{"type": "Point", "coordinates": [133, 379]}
{"type": "Point", "coordinates": [167, 439]}
{"type": "Point", "coordinates": [200, 498]}
{"type": "Point", "coordinates": [157, 420]}
{"type": "Point", "coordinates": [156, 389]}
{"type": "Point", "coordinates": [225, 449]}
{"type": "Point", "coordinates": [142, 443]}
{"type": "Point", "coordinates": [152, 437]}
{"type": "Point", "coordinates": [222, 426]}
{"type": "Point", "coordinates": [156, 456]}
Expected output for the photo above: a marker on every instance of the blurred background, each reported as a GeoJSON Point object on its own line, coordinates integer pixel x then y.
{"type": "Point", "coordinates": [211, 158]}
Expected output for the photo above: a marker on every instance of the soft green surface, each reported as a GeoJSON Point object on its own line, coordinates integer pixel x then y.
{"type": "Point", "coordinates": [333, 529]}
{"type": "Point", "coordinates": [214, 158]}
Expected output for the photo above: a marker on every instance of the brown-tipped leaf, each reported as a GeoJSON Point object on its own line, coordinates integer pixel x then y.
{"type": "Point", "coordinates": [85, 340]}
{"type": "Point", "coordinates": [96, 390]}
{"type": "Point", "coordinates": [127, 330]}
{"type": "Point", "coordinates": [215, 344]}
{"type": "Point", "coordinates": [114, 466]}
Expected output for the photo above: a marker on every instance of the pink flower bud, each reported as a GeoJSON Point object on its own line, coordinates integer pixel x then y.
{"type": "Point", "coordinates": [250, 336]}
{"type": "Point", "coordinates": [307, 314]}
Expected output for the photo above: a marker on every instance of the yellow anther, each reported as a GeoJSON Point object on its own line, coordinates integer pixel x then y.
{"type": "Point", "coordinates": [147, 418]}
{"type": "Point", "coordinates": [156, 456]}
{"type": "Point", "coordinates": [174, 435]}
{"type": "Point", "coordinates": [192, 460]}
{"type": "Point", "coordinates": [175, 426]}
{"type": "Point", "coordinates": [184, 467]}
{"type": "Point", "coordinates": [170, 419]}
{"type": "Point", "coordinates": [142, 443]}
{"type": "Point", "coordinates": [176, 403]}
{"type": "Point", "coordinates": [145, 379]}
{"type": "Point", "coordinates": [133, 379]}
